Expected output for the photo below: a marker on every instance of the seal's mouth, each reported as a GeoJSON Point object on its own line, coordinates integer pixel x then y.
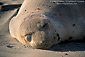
{"type": "Point", "coordinates": [41, 40]}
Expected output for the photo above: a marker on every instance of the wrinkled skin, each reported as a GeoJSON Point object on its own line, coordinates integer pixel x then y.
{"type": "Point", "coordinates": [36, 31]}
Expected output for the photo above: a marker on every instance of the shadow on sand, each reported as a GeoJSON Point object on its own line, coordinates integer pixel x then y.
{"type": "Point", "coordinates": [9, 7]}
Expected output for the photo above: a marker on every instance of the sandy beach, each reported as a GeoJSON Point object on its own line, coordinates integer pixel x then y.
{"type": "Point", "coordinates": [10, 47]}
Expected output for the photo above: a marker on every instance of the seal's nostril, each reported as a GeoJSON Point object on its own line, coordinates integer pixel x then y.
{"type": "Point", "coordinates": [46, 45]}
{"type": "Point", "coordinates": [42, 41]}
{"type": "Point", "coordinates": [45, 26]}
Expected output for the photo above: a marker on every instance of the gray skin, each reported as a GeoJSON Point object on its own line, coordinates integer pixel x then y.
{"type": "Point", "coordinates": [43, 23]}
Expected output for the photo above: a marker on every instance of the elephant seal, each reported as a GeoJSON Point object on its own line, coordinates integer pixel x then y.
{"type": "Point", "coordinates": [43, 23]}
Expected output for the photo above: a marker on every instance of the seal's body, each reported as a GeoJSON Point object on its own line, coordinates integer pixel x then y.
{"type": "Point", "coordinates": [43, 23]}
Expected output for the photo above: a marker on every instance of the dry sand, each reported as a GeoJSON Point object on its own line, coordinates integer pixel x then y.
{"type": "Point", "coordinates": [10, 47]}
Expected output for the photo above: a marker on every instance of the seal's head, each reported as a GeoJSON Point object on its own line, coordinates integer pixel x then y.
{"type": "Point", "coordinates": [38, 31]}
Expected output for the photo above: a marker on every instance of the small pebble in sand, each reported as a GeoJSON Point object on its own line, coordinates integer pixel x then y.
{"type": "Point", "coordinates": [10, 46]}
{"type": "Point", "coordinates": [66, 54]}
{"type": "Point", "coordinates": [1, 3]}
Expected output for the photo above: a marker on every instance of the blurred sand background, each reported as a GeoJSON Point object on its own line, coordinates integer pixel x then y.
{"type": "Point", "coordinates": [10, 47]}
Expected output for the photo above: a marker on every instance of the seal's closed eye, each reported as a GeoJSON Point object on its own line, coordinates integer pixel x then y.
{"type": "Point", "coordinates": [45, 26]}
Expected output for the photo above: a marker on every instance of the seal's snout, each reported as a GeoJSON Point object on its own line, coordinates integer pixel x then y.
{"type": "Point", "coordinates": [44, 34]}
